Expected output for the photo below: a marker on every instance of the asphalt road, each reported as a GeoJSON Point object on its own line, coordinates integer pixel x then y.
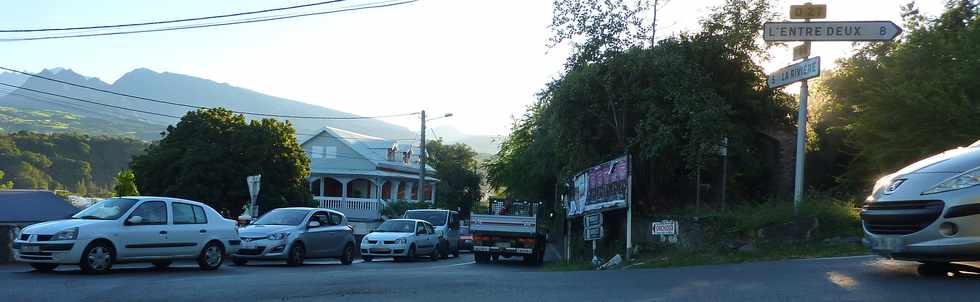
{"type": "Point", "coordinates": [842, 279]}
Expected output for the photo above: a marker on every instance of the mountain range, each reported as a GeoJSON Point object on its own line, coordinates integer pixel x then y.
{"type": "Point", "coordinates": [23, 109]}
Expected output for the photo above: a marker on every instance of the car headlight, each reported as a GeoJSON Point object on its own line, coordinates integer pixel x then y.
{"type": "Point", "coordinates": [965, 180]}
{"type": "Point", "coordinates": [882, 182]}
{"type": "Point", "coordinates": [401, 241]}
{"type": "Point", "coordinates": [277, 236]}
{"type": "Point", "coordinates": [67, 234]}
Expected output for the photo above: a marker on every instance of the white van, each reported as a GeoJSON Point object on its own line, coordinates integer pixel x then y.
{"type": "Point", "coordinates": [446, 223]}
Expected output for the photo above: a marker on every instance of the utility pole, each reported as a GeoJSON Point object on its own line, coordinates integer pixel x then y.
{"type": "Point", "coordinates": [422, 161]}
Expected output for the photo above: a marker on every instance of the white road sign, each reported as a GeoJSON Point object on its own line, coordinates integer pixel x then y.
{"type": "Point", "coordinates": [593, 220]}
{"type": "Point", "coordinates": [831, 31]}
{"type": "Point", "coordinates": [664, 227]}
{"type": "Point", "coordinates": [809, 68]}
{"type": "Point", "coordinates": [593, 233]}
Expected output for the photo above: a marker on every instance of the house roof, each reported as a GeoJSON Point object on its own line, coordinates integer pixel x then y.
{"type": "Point", "coordinates": [33, 206]}
{"type": "Point", "coordinates": [374, 149]}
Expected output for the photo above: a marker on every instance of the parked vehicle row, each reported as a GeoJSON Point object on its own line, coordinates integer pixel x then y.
{"type": "Point", "coordinates": [160, 230]}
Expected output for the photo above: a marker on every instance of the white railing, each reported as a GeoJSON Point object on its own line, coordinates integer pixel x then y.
{"type": "Point", "coordinates": [354, 208]}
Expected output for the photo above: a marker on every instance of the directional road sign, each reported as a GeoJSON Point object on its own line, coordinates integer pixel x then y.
{"type": "Point", "coordinates": [802, 51]}
{"type": "Point", "coordinates": [809, 68]}
{"type": "Point", "coordinates": [593, 233]}
{"type": "Point", "coordinates": [593, 220]}
{"type": "Point", "coordinates": [808, 11]}
{"type": "Point", "coordinates": [831, 31]}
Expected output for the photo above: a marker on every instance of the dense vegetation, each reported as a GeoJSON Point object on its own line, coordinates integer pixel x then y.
{"type": "Point", "coordinates": [456, 164]}
{"type": "Point", "coordinates": [210, 152]}
{"type": "Point", "coordinates": [669, 105]}
{"type": "Point", "coordinates": [893, 103]}
{"type": "Point", "coordinates": [79, 163]}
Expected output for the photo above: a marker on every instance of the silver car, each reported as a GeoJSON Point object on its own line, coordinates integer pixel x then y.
{"type": "Point", "coordinates": [928, 211]}
{"type": "Point", "coordinates": [295, 234]}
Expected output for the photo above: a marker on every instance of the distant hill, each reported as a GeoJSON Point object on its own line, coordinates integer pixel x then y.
{"type": "Point", "coordinates": [26, 110]}
{"type": "Point", "coordinates": [170, 87]}
{"type": "Point", "coordinates": [481, 143]}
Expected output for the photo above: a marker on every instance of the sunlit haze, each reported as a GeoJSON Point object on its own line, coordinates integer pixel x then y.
{"type": "Point", "coordinates": [481, 60]}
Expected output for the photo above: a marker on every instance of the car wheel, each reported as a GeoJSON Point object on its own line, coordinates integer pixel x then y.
{"type": "Point", "coordinates": [367, 258]}
{"type": "Point", "coordinates": [97, 258]}
{"type": "Point", "coordinates": [239, 261]}
{"type": "Point", "coordinates": [211, 256]}
{"type": "Point", "coordinates": [348, 256]}
{"type": "Point", "coordinates": [411, 254]}
{"type": "Point", "coordinates": [162, 264]}
{"type": "Point", "coordinates": [296, 254]}
{"type": "Point", "coordinates": [444, 250]}
{"type": "Point", "coordinates": [44, 267]}
{"type": "Point", "coordinates": [481, 257]}
{"type": "Point", "coordinates": [434, 255]}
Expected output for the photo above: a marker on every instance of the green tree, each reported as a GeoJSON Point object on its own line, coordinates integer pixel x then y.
{"type": "Point", "coordinates": [5, 185]}
{"type": "Point", "coordinates": [126, 184]}
{"type": "Point", "coordinates": [897, 102]}
{"type": "Point", "coordinates": [208, 154]}
{"type": "Point", "coordinates": [669, 106]}
{"type": "Point", "coordinates": [459, 185]}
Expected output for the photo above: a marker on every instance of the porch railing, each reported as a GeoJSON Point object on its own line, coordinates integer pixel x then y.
{"type": "Point", "coordinates": [362, 209]}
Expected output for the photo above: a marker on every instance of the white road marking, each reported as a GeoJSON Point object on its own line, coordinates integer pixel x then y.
{"type": "Point", "coordinates": [459, 264]}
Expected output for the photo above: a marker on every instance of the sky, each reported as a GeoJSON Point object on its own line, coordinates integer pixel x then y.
{"type": "Point", "coordinates": [482, 60]}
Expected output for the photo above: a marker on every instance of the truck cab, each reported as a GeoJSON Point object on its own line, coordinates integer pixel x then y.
{"type": "Point", "coordinates": [446, 223]}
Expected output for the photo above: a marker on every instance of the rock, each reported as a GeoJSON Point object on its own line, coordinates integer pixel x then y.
{"type": "Point", "coordinates": [748, 248]}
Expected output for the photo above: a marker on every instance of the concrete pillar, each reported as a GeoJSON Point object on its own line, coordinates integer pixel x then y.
{"type": "Point", "coordinates": [323, 187]}
{"type": "Point", "coordinates": [408, 191]}
{"type": "Point", "coordinates": [396, 186]}
{"type": "Point", "coordinates": [343, 189]}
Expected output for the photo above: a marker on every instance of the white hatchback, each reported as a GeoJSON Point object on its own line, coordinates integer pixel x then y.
{"type": "Point", "coordinates": [158, 230]}
{"type": "Point", "coordinates": [403, 239]}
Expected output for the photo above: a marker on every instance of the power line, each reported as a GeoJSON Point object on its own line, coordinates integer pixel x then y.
{"type": "Point", "coordinates": [362, 7]}
{"type": "Point", "coordinates": [91, 102]}
{"type": "Point", "coordinates": [203, 107]}
{"type": "Point", "coordinates": [170, 21]}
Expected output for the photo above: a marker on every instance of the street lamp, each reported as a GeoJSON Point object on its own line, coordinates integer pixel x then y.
{"type": "Point", "coordinates": [422, 154]}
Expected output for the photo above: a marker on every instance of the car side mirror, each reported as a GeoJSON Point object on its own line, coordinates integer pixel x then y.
{"type": "Point", "coordinates": [313, 224]}
{"type": "Point", "coordinates": [134, 220]}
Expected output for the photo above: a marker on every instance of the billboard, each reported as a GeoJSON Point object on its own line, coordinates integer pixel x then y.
{"type": "Point", "coordinates": [599, 188]}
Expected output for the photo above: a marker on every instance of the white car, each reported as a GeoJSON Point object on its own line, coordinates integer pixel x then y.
{"type": "Point", "coordinates": [447, 225]}
{"type": "Point", "coordinates": [403, 239]}
{"type": "Point", "coordinates": [130, 229]}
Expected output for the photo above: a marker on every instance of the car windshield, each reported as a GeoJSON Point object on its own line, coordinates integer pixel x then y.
{"type": "Point", "coordinates": [109, 209]}
{"type": "Point", "coordinates": [397, 226]}
{"type": "Point", "coordinates": [436, 218]}
{"type": "Point", "coordinates": [283, 217]}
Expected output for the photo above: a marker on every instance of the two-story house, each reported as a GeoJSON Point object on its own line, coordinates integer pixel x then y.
{"type": "Point", "coordinates": [359, 175]}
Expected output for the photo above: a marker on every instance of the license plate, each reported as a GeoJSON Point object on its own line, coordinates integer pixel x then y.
{"type": "Point", "coordinates": [30, 249]}
{"type": "Point", "coordinates": [248, 245]}
{"type": "Point", "coordinates": [887, 243]}
{"type": "Point", "coordinates": [380, 250]}
{"type": "Point", "coordinates": [503, 244]}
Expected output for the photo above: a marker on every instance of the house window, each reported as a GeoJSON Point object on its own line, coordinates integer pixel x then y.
{"type": "Point", "coordinates": [391, 153]}
{"type": "Point", "coordinates": [330, 152]}
{"type": "Point", "coordinates": [317, 152]}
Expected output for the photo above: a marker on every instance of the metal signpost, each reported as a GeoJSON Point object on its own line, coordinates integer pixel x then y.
{"type": "Point", "coordinates": [815, 31]}
{"type": "Point", "coordinates": [253, 192]}
{"type": "Point", "coordinates": [593, 232]}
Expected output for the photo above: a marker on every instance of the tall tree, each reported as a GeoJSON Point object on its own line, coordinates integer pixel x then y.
{"type": "Point", "coordinates": [456, 166]}
{"type": "Point", "coordinates": [126, 184]}
{"type": "Point", "coordinates": [208, 154]}
{"type": "Point", "coordinates": [897, 102]}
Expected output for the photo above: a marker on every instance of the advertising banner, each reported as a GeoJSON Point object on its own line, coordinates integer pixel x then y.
{"type": "Point", "coordinates": [602, 187]}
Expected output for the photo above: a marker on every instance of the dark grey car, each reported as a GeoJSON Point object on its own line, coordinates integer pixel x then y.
{"type": "Point", "coordinates": [295, 234]}
{"type": "Point", "coordinates": [928, 211]}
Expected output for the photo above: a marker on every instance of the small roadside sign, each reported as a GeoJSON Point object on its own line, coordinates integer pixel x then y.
{"type": "Point", "coordinates": [593, 233]}
{"type": "Point", "coordinates": [807, 69]}
{"type": "Point", "coordinates": [808, 11]}
{"type": "Point", "coordinates": [801, 51]}
{"type": "Point", "coordinates": [664, 227]}
{"type": "Point", "coordinates": [831, 31]}
{"type": "Point", "coordinates": [593, 220]}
